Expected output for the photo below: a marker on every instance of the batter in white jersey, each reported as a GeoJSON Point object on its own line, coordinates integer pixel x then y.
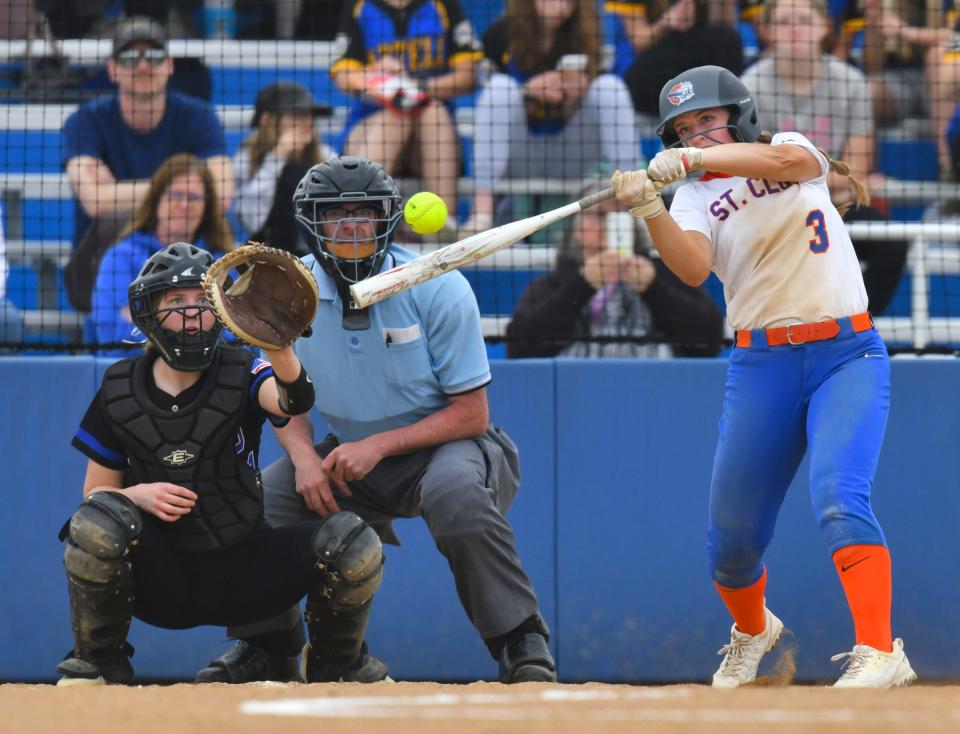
{"type": "Point", "coordinates": [763, 233]}
{"type": "Point", "coordinates": [809, 374]}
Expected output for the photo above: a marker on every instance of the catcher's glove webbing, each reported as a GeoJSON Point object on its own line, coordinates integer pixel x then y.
{"type": "Point", "coordinates": [271, 301]}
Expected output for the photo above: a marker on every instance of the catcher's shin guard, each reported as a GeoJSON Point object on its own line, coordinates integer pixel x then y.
{"type": "Point", "coordinates": [338, 607]}
{"type": "Point", "coordinates": [336, 651]}
{"type": "Point", "coordinates": [99, 578]}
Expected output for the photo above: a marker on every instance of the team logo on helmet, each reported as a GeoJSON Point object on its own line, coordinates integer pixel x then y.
{"type": "Point", "coordinates": [680, 93]}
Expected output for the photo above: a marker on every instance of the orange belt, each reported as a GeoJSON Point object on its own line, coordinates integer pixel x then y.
{"type": "Point", "coordinates": [802, 333]}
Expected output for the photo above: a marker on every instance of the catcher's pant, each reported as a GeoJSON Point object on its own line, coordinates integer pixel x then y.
{"type": "Point", "coordinates": [832, 397]}
{"type": "Point", "coordinates": [462, 490]}
{"type": "Point", "coordinates": [261, 574]}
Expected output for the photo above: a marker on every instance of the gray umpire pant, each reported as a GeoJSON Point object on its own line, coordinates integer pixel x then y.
{"type": "Point", "coordinates": [462, 490]}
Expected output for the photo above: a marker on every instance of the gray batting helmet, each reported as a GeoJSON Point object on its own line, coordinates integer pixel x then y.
{"type": "Point", "coordinates": [701, 88]}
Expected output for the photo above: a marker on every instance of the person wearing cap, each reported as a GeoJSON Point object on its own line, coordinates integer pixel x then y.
{"type": "Point", "coordinates": [272, 160]}
{"type": "Point", "coordinates": [113, 145]}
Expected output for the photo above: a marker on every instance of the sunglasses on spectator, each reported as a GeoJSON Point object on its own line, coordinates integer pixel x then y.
{"type": "Point", "coordinates": [132, 56]}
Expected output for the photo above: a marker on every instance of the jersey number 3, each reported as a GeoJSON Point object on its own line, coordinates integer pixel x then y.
{"type": "Point", "coordinates": [821, 241]}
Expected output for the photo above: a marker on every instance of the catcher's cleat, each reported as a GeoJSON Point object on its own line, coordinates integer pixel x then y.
{"type": "Point", "coordinates": [79, 672]}
{"type": "Point", "coordinates": [526, 658]}
{"type": "Point", "coordinates": [868, 667]}
{"type": "Point", "coordinates": [742, 655]}
{"type": "Point", "coordinates": [364, 669]}
{"type": "Point", "coordinates": [247, 663]}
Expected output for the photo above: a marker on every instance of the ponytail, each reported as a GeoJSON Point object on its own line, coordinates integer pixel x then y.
{"type": "Point", "coordinates": [861, 197]}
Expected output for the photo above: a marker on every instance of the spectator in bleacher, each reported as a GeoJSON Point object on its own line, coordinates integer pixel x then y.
{"type": "Point", "coordinates": [180, 205]}
{"type": "Point", "coordinates": [11, 320]}
{"type": "Point", "coordinates": [633, 30]}
{"type": "Point", "coordinates": [548, 111]}
{"type": "Point", "coordinates": [112, 146]}
{"type": "Point", "coordinates": [900, 47]}
{"type": "Point", "coordinates": [953, 140]}
{"type": "Point", "coordinates": [404, 61]}
{"type": "Point", "coordinates": [944, 71]}
{"type": "Point", "coordinates": [612, 302]}
{"type": "Point", "coordinates": [752, 30]}
{"type": "Point", "coordinates": [273, 159]}
{"type": "Point", "coordinates": [798, 87]}
{"type": "Point", "coordinates": [669, 36]}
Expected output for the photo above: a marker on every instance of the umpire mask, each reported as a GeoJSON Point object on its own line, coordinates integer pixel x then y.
{"type": "Point", "coordinates": [348, 209]}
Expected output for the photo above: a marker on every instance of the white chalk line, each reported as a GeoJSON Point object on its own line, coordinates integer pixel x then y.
{"type": "Point", "coordinates": [529, 707]}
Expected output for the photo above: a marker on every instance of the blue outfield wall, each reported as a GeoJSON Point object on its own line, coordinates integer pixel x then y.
{"type": "Point", "coordinates": [610, 524]}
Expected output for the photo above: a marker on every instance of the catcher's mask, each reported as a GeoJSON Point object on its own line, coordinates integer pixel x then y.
{"type": "Point", "coordinates": [180, 265]}
{"type": "Point", "coordinates": [704, 87]}
{"type": "Point", "coordinates": [343, 205]}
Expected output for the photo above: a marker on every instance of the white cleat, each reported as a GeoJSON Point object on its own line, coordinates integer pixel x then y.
{"type": "Point", "coordinates": [868, 667]}
{"type": "Point", "coordinates": [68, 681]}
{"type": "Point", "coordinates": [742, 656]}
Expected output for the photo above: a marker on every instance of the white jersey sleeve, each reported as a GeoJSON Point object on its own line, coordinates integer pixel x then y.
{"type": "Point", "coordinates": [689, 210]}
{"type": "Point", "coordinates": [798, 139]}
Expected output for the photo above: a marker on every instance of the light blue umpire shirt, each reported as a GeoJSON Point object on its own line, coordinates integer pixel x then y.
{"type": "Point", "coordinates": [423, 345]}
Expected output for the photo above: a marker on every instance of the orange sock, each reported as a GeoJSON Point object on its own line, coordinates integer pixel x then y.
{"type": "Point", "coordinates": [746, 605]}
{"type": "Point", "coordinates": [864, 572]}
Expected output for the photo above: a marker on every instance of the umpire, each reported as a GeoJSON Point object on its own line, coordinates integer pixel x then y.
{"type": "Point", "coordinates": [402, 385]}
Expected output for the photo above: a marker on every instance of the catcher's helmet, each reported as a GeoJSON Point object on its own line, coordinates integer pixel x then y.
{"type": "Point", "coordinates": [701, 88]}
{"type": "Point", "coordinates": [332, 184]}
{"type": "Point", "coordinates": [180, 265]}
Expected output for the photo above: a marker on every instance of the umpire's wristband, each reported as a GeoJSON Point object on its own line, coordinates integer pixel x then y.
{"type": "Point", "coordinates": [295, 398]}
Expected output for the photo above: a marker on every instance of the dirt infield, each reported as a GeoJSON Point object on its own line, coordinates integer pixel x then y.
{"type": "Point", "coordinates": [431, 708]}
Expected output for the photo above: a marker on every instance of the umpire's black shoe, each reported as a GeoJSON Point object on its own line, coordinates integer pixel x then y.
{"type": "Point", "coordinates": [526, 658]}
{"type": "Point", "coordinates": [79, 672]}
{"type": "Point", "coordinates": [246, 663]}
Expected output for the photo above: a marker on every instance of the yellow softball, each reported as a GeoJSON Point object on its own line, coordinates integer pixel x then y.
{"type": "Point", "coordinates": [425, 213]}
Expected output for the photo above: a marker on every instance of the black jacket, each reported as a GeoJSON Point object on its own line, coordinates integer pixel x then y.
{"type": "Point", "coordinates": [550, 314]}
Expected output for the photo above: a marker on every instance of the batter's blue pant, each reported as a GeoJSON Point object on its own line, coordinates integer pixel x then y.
{"type": "Point", "coordinates": [831, 397]}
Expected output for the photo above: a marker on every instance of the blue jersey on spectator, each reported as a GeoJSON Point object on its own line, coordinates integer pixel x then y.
{"type": "Point", "coordinates": [615, 32]}
{"type": "Point", "coordinates": [429, 38]}
{"type": "Point", "coordinates": [97, 130]}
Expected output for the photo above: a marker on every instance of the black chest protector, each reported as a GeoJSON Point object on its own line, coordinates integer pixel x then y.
{"type": "Point", "coordinates": [193, 447]}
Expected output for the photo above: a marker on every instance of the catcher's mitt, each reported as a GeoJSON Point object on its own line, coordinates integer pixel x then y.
{"type": "Point", "coordinates": [271, 301]}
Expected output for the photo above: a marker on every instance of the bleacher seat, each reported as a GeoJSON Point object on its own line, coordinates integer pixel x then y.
{"type": "Point", "coordinates": [911, 159]}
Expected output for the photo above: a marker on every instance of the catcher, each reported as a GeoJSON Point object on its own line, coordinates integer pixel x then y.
{"type": "Point", "coordinates": [171, 528]}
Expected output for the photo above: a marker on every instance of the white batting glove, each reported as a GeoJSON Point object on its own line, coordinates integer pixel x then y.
{"type": "Point", "coordinates": [637, 191]}
{"type": "Point", "coordinates": [674, 164]}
